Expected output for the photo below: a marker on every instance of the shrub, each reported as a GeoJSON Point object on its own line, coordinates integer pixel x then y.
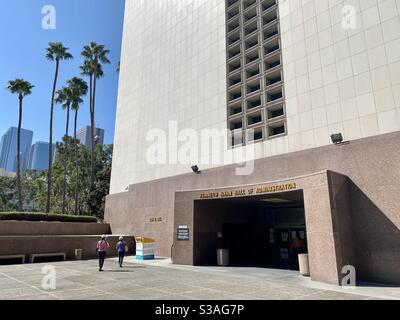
{"type": "Point", "coordinates": [31, 216]}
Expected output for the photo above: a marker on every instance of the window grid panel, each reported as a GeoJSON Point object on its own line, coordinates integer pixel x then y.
{"type": "Point", "coordinates": [255, 83]}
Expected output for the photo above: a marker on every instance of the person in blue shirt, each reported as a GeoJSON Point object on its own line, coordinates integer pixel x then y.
{"type": "Point", "coordinates": [121, 248]}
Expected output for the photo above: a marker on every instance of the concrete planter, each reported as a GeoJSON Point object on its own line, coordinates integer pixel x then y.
{"type": "Point", "coordinates": [13, 245]}
{"type": "Point", "coordinates": [29, 228]}
{"type": "Point", "coordinates": [76, 239]}
{"type": "Point", "coordinates": [304, 265]}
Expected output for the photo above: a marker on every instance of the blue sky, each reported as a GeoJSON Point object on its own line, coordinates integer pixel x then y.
{"type": "Point", "coordinates": [23, 42]}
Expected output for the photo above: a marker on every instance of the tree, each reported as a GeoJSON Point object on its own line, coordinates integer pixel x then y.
{"type": "Point", "coordinates": [64, 97]}
{"type": "Point", "coordinates": [55, 52]}
{"type": "Point", "coordinates": [95, 55]}
{"type": "Point", "coordinates": [34, 183]}
{"type": "Point", "coordinates": [79, 89]}
{"type": "Point", "coordinates": [7, 194]}
{"type": "Point", "coordinates": [22, 88]}
{"type": "Point", "coordinates": [97, 196]}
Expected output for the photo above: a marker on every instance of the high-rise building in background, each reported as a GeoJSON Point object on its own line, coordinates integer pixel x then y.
{"type": "Point", "coordinates": [8, 149]}
{"type": "Point", "coordinates": [83, 135]}
{"type": "Point", "coordinates": [274, 80]}
{"type": "Point", "coordinates": [39, 156]}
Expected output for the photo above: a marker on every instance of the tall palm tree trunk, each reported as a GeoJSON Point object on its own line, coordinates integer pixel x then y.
{"type": "Point", "coordinates": [51, 138]}
{"type": "Point", "coordinates": [76, 165]}
{"type": "Point", "coordinates": [65, 160]}
{"type": "Point", "coordinates": [93, 94]}
{"type": "Point", "coordinates": [19, 155]}
{"type": "Point", "coordinates": [67, 124]}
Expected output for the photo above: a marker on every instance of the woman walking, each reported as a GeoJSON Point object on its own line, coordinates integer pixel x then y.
{"type": "Point", "coordinates": [102, 247]}
{"type": "Point", "coordinates": [121, 247]}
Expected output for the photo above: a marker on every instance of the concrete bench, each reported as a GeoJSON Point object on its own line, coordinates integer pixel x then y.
{"type": "Point", "coordinates": [14, 256]}
{"type": "Point", "coordinates": [41, 255]}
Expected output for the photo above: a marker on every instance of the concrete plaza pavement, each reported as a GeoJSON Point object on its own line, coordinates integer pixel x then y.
{"type": "Point", "coordinates": [161, 280]}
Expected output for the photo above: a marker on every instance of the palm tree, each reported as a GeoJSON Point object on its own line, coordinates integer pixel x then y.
{"type": "Point", "coordinates": [95, 55]}
{"type": "Point", "coordinates": [64, 97]}
{"type": "Point", "coordinates": [79, 89]}
{"type": "Point", "coordinates": [55, 52]}
{"type": "Point", "coordinates": [22, 88]}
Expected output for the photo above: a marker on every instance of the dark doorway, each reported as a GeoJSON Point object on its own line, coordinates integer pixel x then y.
{"type": "Point", "coordinates": [257, 231]}
{"type": "Point", "coordinates": [285, 243]}
{"type": "Point", "coordinates": [235, 236]}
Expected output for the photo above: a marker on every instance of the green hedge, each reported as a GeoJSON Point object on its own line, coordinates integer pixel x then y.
{"type": "Point", "coordinates": [32, 216]}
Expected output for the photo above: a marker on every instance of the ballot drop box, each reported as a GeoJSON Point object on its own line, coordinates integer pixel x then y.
{"type": "Point", "coordinates": [144, 248]}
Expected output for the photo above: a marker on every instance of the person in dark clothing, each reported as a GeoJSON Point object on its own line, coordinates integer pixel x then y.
{"type": "Point", "coordinates": [121, 248]}
{"type": "Point", "coordinates": [297, 246]}
{"type": "Point", "coordinates": [102, 247]}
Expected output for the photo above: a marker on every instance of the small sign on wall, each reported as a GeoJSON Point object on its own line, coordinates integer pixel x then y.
{"type": "Point", "coordinates": [183, 233]}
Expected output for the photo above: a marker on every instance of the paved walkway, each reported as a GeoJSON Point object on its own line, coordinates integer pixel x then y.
{"type": "Point", "coordinates": [161, 280]}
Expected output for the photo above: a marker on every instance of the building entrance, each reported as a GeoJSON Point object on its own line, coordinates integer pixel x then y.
{"type": "Point", "coordinates": [257, 231]}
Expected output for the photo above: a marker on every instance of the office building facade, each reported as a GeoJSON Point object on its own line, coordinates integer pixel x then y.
{"type": "Point", "coordinates": [8, 149]}
{"type": "Point", "coordinates": [39, 157]}
{"type": "Point", "coordinates": [84, 134]}
{"type": "Point", "coordinates": [275, 79]}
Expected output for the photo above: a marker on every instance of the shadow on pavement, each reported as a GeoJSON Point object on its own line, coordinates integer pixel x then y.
{"type": "Point", "coordinates": [124, 269]}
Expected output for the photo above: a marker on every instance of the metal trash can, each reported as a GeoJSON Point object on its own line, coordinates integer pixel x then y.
{"type": "Point", "coordinates": [222, 257]}
{"type": "Point", "coordinates": [78, 254]}
{"type": "Point", "coordinates": [304, 265]}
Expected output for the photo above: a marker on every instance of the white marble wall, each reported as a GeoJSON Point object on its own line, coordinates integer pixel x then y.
{"type": "Point", "coordinates": [340, 80]}
{"type": "Point", "coordinates": [173, 67]}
